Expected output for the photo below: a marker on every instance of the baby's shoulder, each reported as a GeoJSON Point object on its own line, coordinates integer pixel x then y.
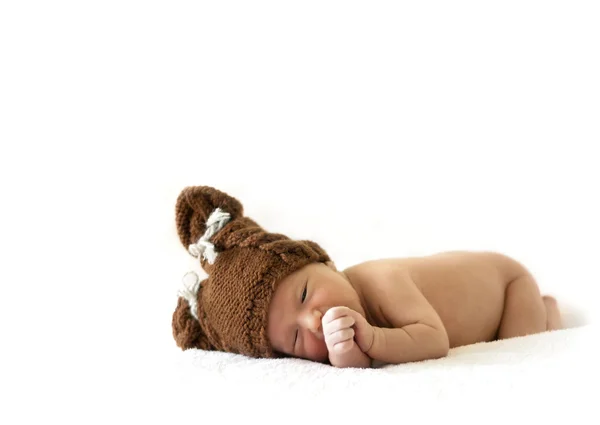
{"type": "Point", "coordinates": [383, 269]}
{"type": "Point", "coordinates": [377, 277]}
{"type": "Point", "coordinates": [386, 288]}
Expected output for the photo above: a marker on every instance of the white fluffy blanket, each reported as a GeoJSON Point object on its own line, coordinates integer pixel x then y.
{"type": "Point", "coordinates": [533, 377]}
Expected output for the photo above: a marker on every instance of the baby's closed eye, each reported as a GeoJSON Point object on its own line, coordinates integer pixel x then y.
{"type": "Point", "coordinates": [302, 299]}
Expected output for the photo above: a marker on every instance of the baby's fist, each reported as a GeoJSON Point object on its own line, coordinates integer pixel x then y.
{"type": "Point", "coordinates": [337, 330]}
{"type": "Point", "coordinates": [343, 327]}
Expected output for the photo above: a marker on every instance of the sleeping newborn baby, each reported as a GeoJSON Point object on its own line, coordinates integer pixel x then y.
{"type": "Point", "coordinates": [406, 309]}
{"type": "Point", "coordinates": [269, 296]}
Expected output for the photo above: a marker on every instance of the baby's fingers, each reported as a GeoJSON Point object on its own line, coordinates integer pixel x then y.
{"type": "Point", "coordinates": [335, 313]}
{"type": "Point", "coordinates": [338, 324]}
{"type": "Point", "coordinates": [339, 336]}
{"type": "Point", "coordinates": [342, 347]}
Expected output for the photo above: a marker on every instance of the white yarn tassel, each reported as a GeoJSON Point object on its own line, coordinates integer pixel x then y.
{"type": "Point", "coordinates": [191, 284]}
{"type": "Point", "coordinates": [216, 221]}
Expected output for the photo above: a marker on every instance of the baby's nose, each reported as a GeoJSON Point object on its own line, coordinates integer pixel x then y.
{"type": "Point", "coordinates": [311, 320]}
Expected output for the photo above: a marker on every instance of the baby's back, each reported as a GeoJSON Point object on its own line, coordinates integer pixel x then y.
{"type": "Point", "coordinates": [465, 288]}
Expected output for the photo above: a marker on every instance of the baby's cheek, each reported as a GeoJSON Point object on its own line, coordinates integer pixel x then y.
{"type": "Point", "coordinates": [315, 349]}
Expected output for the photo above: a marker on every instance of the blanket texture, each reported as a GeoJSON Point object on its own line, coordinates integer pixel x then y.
{"type": "Point", "coordinates": [537, 376]}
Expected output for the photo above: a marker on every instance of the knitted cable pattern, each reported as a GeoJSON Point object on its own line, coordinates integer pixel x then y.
{"type": "Point", "coordinates": [228, 311]}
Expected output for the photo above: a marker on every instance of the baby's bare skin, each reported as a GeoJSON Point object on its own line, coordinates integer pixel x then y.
{"type": "Point", "coordinates": [466, 289]}
{"type": "Point", "coordinates": [407, 309]}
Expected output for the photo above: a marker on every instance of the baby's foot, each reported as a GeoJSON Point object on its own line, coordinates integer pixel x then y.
{"type": "Point", "coordinates": [553, 319]}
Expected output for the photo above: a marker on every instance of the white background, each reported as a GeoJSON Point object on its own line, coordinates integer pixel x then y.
{"type": "Point", "coordinates": [378, 129]}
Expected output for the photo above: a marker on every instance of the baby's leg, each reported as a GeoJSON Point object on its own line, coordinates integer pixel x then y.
{"type": "Point", "coordinates": [525, 312]}
{"type": "Point", "coordinates": [553, 320]}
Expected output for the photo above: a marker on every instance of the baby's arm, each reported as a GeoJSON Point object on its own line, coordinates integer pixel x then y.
{"type": "Point", "coordinates": [417, 333]}
{"type": "Point", "coordinates": [409, 343]}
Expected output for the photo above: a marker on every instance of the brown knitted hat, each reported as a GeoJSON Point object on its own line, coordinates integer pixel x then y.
{"type": "Point", "coordinates": [228, 310]}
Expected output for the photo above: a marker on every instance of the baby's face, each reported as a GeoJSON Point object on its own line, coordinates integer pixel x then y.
{"type": "Point", "coordinates": [299, 303]}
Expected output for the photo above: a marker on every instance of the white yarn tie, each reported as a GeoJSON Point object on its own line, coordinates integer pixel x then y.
{"type": "Point", "coordinates": [216, 221]}
{"type": "Point", "coordinates": [191, 284]}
